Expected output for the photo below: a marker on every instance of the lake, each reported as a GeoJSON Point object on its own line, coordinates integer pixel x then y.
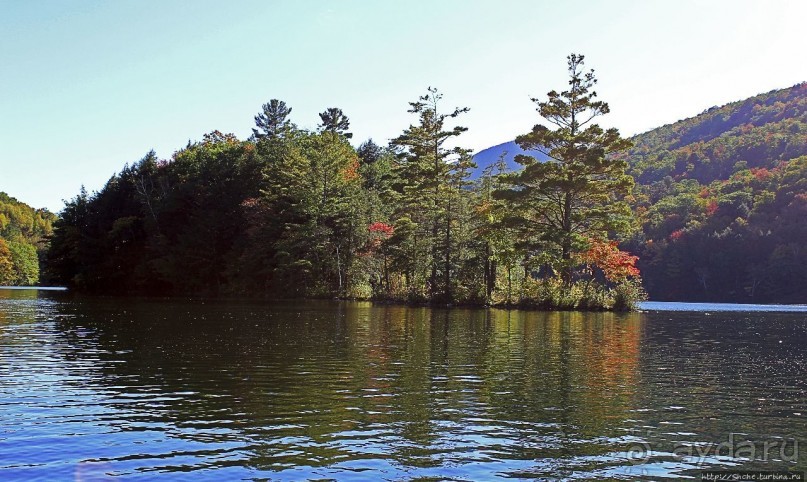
{"type": "Point", "coordinates": [92, 388]}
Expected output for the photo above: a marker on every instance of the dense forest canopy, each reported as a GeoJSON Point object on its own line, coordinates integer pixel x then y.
{"type": "Point", "coordinates": [758, 132]}
{"type": "Point", "coordinates": [293, 212]}
{"type": "Point", "coordinates": [23, 240]}
{"type": "Point", "coordinates": [722, 198]}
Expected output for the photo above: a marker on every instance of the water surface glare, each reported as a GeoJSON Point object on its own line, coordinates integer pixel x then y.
{"type": "Point", "coordinates": [97, 389]}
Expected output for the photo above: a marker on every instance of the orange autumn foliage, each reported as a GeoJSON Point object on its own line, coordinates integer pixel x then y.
{"type": "Point", "coordinates": [616, 265]}
{"type": "Point", "coordinates": [351, 172]}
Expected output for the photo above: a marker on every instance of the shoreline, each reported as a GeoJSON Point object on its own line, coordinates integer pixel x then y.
{"type": "Point", "coordinates": [642, 306]}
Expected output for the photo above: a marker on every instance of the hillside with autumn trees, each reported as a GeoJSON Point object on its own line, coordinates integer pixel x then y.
{"type": "Point", "coordinates": [722, 202]}
{"type": "Point", "coordinates": [24, 233]}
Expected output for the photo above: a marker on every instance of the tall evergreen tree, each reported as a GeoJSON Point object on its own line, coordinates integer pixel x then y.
{"type": "Point", "coordinates": [309, 203]}
{"type": "Point", "coordinates": [273, 120]}
{"type": "Point", "coordinates": [429, 171]}
{"type": "Point", "coordinates": [369, 152]}
{"type": "Point", "coordinates": [498, 243]}
{"type": "Point", "coordinates": [334, 120]}
{"type": "Point", "coordinates": [578, 194]}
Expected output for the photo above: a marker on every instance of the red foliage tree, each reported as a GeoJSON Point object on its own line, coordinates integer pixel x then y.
{"type": "Point", "coordinates": [381, 228]}
{"type": "Point", "coordinates": [711, 207]}
{"type": "Point", "coordinates": [761, 174]}
{"type": "Point", "coordinates": [379, 232]}
{"type": "Point", "coordinates": [616, 265]}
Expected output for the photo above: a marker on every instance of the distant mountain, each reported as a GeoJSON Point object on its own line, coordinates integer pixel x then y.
{"type": "Point", "coordinates": [759, 131]}
{"type": "Point", "coordinates": [490, 155]}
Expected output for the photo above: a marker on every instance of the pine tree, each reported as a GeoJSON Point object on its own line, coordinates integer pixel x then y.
{"type": "Point", "coordinates": [311, 189]}
{"type": "Point", "coordinates": [578, 194]}
{"type": "Point", "coordinates": [334, 120]}
{"type": "Point", "coordinates": [429, 172]}
{"type": "Point", "coordinates": [273, 120]}
{"type": "Point", "coordinates": [498, 246]}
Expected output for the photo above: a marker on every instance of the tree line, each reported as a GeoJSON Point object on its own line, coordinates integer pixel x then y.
{"type": "Point", "coordinates": [291, 212]}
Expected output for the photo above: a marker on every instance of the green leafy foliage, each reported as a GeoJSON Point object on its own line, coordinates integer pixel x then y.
{"type": "Point", "coordinates": [26, 263]}
{"type": "Point", "coordinates": [7, 274]}
{"type": "Point", "coordinates": [739, 239]}
{"type": "Point", "coordinates": [722, 202]}
{"type": "Point", "coordinates": [24, 232]}
{"type": "Point", "coordinates": [159, 226]}
{"type": "Point", "coordinates": [758, 132]}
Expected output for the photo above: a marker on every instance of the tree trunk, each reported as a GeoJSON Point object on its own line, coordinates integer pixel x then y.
{"type": "Point", "coordinates": [433, 276]}
{"type": "Point", "coordinates": [339, 269]}
{"type": "Point", "coordinates": [509, 284]}
{"type": "Point", "coordinates": [488, 285]}
{"type": "Point", "coordinates": [566, 246]}
{"type": "Point", "coordinates": [447, 274]}
{"type": "Point", "coordinates": [386, 275]}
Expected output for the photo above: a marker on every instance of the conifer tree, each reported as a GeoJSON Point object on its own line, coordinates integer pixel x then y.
{"type": "Point", "coordinates": [578, 194]}
{"type": "Point", "coordinates": [429, 171]}
{"type": "Point", "coordinates": [273, 121]}
{"type": "Point", "coordinates": [334, 120]}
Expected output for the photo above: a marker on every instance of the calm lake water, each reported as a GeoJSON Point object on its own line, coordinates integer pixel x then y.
{"type": "Point", "coordinates": [186, 390]}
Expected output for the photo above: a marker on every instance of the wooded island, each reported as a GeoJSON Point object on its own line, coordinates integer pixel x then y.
{"type": "Point", "coordinates": [716, 214]}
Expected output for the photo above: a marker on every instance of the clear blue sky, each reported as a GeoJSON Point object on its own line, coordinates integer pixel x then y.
{"type": "Point", "coordinates": [86, 86]}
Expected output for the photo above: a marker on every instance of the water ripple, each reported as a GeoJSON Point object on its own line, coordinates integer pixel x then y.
{"type": "Point", "coordinates": [91, 388]}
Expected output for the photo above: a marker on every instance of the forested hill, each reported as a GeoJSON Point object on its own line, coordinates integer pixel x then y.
{"type": "Point", "coordinates": [760, 132]}
{"type": "Point", "coordinates": [722, 201]}
{"type": "Point", "coordinates": [23, 237]}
